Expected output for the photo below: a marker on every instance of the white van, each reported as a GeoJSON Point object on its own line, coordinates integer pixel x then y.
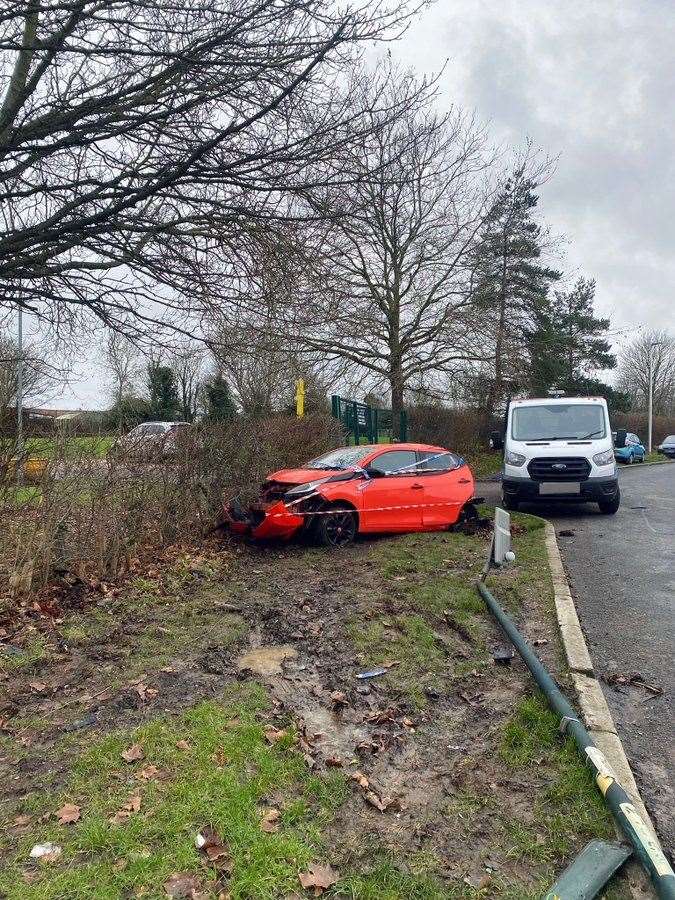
{"type": "Point", "coordinates": [558, 449]}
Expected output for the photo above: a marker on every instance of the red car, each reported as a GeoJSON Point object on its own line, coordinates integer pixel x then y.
{"type": "Point", "coordinates": [358, 490]}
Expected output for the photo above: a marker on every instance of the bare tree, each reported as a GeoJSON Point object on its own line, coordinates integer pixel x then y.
{"type": "Point", "coordinates": [187, 364]}
{"type": "Point", "coordinates": [393, 296]}
{"type": "Point", "coordinates": [39, 378]}
{"type": "Point", "coordinates": [633, 371]}
{"type": "Point", "coordinates": [140, 139]}
{"type": "Point", "coordinates": [123, 363]}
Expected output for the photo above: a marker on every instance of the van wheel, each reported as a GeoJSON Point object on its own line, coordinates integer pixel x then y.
{"type": "Point", "coordinates": [510, 503]}
{"type": "Point", "coordinates": [609, 507]}
{"type": "Point", "coordinates": [336, 527]}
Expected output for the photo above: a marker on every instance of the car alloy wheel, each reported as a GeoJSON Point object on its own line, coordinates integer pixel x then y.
{"type": "Point", "coordinates": [337, 527]}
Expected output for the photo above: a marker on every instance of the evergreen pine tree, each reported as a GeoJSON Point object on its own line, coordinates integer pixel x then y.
{"type": "Point", "coordinates": [510, 283]}
{"type": "Point", "coordinates": [567, 342]}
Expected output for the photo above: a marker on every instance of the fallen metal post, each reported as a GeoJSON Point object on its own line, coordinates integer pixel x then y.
{"type": "Point", "coordinates": [628, 818]}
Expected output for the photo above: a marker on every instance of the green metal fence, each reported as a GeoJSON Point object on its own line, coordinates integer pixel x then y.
{"type": "Point", "coordinates": [367, 424]}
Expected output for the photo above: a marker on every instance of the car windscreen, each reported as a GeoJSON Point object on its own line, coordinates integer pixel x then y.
{"type": "Point", "coordinates": [341, 458]}
{"type": "Point", "coordinates": [558, 421]}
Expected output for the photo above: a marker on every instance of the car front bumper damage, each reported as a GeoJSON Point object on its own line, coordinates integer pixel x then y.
{"type": "Point", "coordinates": [263, 521]}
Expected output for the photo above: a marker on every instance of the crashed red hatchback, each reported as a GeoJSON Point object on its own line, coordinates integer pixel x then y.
{"type": "Point", "coordinates": [357, 490]}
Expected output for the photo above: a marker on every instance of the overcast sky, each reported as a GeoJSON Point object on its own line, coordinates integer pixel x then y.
{"type": "Point", "coordinates": [592, 83]}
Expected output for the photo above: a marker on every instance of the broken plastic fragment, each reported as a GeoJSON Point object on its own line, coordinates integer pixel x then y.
{"type": "Point", "coordinates": [374, 673]}
{"type": "Point", "coordinates": [46, 851]}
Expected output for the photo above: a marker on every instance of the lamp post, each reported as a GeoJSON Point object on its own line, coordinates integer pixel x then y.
{"type": "Point", "coordinates": [650, 392]}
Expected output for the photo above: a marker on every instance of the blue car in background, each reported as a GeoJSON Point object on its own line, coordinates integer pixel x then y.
{"type": "Point", "coordinates": [632, 451]}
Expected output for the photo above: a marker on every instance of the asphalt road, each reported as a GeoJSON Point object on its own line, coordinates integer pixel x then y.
{"type": "Point", "coordinates": [622, 572]}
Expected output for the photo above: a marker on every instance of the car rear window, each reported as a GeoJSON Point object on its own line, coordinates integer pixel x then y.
{"type": "Point", "coordinates": [435, 461]}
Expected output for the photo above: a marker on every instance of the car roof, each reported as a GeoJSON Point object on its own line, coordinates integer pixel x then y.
{"type": "Point", "coordinates": [404, 446]}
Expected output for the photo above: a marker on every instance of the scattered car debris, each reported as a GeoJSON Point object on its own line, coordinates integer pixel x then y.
{"type": "Point", "coordinates": [503, 655]}
{"type": "Point", "coordinates": [634, 678]}
{"type": "Point", "coordinates": [566, 532]}
{"type": "Point", "coordinates": [374, 673]}
{"type": "Point", "coordinates": [47, 852]}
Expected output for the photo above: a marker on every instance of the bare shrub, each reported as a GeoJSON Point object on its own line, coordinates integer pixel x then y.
{"type": "Point", "coordinates": [457, 429]}
{"type": "Point", "coordinates": [89, 515]}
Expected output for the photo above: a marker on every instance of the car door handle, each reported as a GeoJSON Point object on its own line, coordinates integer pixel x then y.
{"type": "Point", "coordinates": [417, 487]}
{"type": "Point", "coordinates": [464, 480]}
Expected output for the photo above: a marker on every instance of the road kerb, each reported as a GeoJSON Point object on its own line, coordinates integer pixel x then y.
{"type": "Point", "coordinates": [596, 713]}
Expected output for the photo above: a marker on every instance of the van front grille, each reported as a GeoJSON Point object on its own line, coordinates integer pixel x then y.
{"type": "Point", "coordinates": [559, 468]}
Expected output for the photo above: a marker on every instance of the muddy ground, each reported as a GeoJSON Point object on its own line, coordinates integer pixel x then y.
{"type": "Point", "coordinates": [454, 771]}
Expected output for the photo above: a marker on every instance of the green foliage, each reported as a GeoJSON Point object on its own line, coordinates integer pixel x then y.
{"type": "Point", "coordinates": [220, 406]}
{"type": "Point", "coordinates": [511, 281]}
{"type": "Point", "coordinates": [130, 411]}
{"type": "Point", "coordinates": [567, 341]}
{"type": "Point", "coordinates": [163, 392]}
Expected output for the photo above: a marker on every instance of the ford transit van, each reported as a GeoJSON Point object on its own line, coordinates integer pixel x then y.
{"type": "Point", "coordinates": [558, 449]}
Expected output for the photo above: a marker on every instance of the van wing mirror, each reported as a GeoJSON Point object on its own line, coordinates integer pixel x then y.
{"type": "Point", "coordinates": [496, 440]}
{"type": "Point", "coordinates": [621, 436]}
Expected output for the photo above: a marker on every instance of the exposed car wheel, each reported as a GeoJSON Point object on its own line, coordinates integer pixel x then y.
{"type": "Point", "coordinates": [336, 526]}
{"type": "Point", "coordinates": [510, 503]}
{"type": "Point", "coordinates": [609, 507]}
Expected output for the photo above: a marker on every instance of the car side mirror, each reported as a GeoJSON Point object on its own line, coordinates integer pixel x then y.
{"type": "Point", "coordinates": [621, 437]}
{"type": "Point", "coordinates": [372, 472]}
{"type": "Point", "coordinates": [496, 440]}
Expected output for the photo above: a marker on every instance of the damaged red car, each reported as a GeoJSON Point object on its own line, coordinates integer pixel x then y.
{"type": "Point", "coordinates": [361, 490]}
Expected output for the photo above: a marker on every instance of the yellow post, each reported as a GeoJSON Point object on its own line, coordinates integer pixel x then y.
{"type": "Point", "coordinates": [300, 397]}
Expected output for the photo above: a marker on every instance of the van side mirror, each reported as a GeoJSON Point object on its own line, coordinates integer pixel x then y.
{"type": "Point", "coordinates": [496, 440]}
{"type": "Point", "coordinates": [621, 437]}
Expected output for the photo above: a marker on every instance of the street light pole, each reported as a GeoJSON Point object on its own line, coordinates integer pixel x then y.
{"type": "Point", "coordinates": [650, 393]}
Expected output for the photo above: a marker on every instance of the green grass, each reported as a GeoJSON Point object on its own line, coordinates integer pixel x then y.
{"type": "Point", "coordinates": [224, 779]}
{"type": "Point", "coordinates": [46, 447]}
{"type": "Point", "coordinates": [432, 574]}
{"type": "Point", "coordinates": [570, 807]}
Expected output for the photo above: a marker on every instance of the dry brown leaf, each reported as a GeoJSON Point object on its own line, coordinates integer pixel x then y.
{"type": "Point", "coordinates": [23, 820]}
{"type": "Point", "coordinates": [381, 803]}
{"type": "Point", "coordinates": [182, 745]}
{"type": "Point", "coordinates": [338, 699]}
{"type": "Point", "coordinates": [270, 821]}
{"type": "Point", "coordinates": [132, 805]}
{"type": "Point", "coordinates": [37, 686]}
{"type": "Point", "coordinates": [318, 877]}
{"type": "Point", "coordinates": [145, 692]}
{"type": "Point", "coordinates": [361, 780]}
{"type": "Point", "coordinates": [133, 753]}
{"type": "Point", "coordinates": [334, 762]}
{"type": "Point", "coordinates": [211, 844]}
{"type": "Point", "coordinates": [181, 886]}
{"type": "Point", "coordinates": [68, 813]}
{"type": "Point", "coordinates": [149, 773]}
{"type": "Point", "coordinates": [273, 735]}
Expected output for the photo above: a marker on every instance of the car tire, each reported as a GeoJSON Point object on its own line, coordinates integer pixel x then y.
{"type": "Point", "coordinates": [337, 526]}
{"type": "Point", "coordinates": [609, 507]}
{"type": "Point", "coordinates": [510, 503]}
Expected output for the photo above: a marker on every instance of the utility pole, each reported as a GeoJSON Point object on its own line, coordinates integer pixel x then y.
{"type": "Point", "coordinates": [650, 392]}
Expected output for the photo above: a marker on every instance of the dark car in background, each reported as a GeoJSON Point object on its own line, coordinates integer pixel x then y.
{"type": "Point", "coordinates": [667, 447]}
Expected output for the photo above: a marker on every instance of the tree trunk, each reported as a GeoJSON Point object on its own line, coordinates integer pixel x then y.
{"type": "Point", "coordinates": [396, 382]}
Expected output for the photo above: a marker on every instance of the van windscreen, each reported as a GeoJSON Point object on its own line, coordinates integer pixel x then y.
{"type": "Point", "coordinates": [558, 422]}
